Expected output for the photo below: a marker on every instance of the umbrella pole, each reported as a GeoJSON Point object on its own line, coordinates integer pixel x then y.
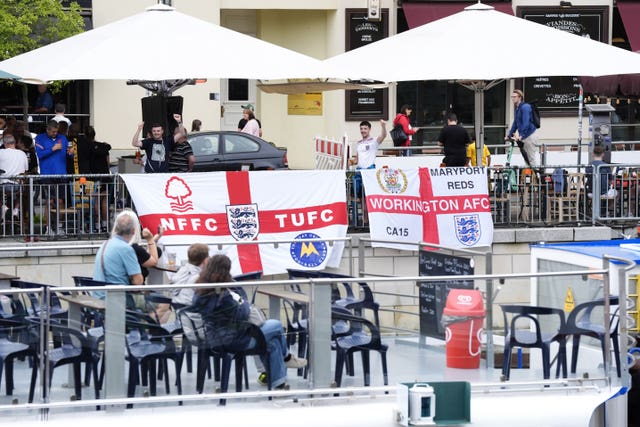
{"type": "Point", "coordinates": [479, 122]}
{"type": "Point", "coordinates": [25, 104]}
{"type": "Point", "coordinates": [580, 105]}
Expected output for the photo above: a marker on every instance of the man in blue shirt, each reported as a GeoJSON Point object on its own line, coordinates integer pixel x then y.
{"type": "Point", "coordinates": [523, 131]}
{"type": "Point", "coordinates": [51, 149]}
{"type": "Point", "coordinates": [44, 101]}
{"type": "Point", "coordinates": [116, 261]}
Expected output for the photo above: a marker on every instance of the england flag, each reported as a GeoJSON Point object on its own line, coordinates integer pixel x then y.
{"type": "Point", "coordinates": [234, 211]}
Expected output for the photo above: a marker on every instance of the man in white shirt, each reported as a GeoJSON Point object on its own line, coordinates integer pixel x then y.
{"type": "Point", "coordinates": [60, 117]}
{"type": "Point", "coordinates": [368, 146]}
{"type": "Point", "coordinates": [13, 162]}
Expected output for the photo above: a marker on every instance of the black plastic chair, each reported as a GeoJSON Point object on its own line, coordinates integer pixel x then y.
{"type": "Point", "coordinates": [194, 329]}
{"type": "Point", "coordinates": [56, 311]}
{"type": "Point", "coordinates": [363, 336]}
{"type": "Point", "coordinates": [349, 301]}
{"type": "Point", "coordinates": [148, 344]}
{"type": "Point", "coordinates": [581, 322]}
{"type": "Point", "coordinates": [517, 322]}
{"type": "Point", "coordinates": [76, 349]}
{"type": "Point", "coordinates": [193, 332]}
{"type": "Point", "coordinates": [11, 348]}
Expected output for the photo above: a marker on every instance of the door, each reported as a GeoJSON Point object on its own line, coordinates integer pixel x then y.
{"type": "Point", "coordinates": [234, 93]}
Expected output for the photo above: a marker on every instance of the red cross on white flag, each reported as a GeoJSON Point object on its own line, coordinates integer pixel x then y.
{"type": "Point", "coordinates": [244, 207]}
{"type": "Point", "coordinates": [444, 206]}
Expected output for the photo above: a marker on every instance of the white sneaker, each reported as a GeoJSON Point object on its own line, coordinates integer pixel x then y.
{"type": "Point", "coordinates": [295, 362]}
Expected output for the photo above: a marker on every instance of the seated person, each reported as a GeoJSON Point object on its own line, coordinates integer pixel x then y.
{"type": "Point", "coordinates": [226, 316]}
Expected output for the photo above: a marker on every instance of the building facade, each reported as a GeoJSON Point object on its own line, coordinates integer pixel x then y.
{"type": "Point", "coordinates": [324, 28]}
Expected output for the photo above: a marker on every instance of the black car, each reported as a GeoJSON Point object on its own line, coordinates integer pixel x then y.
{"type": "Point", "coordinates": [229, 150]}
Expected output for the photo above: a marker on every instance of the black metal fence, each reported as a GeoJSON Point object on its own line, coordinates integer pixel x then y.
{"type": "Point", "coordinates": [41, 207]}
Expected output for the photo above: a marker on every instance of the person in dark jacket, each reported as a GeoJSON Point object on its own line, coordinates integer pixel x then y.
{"type": "Point", "coordinates": [226, 318]}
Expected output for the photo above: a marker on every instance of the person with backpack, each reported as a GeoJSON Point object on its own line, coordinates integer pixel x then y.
{"type": "Point", "coordinates": [402, 121]}
{"type": "Point", "coordinates": [524, 127]}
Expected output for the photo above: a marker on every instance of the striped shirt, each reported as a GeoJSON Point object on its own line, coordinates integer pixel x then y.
{"type": "Point", "coordinates": [179, 161]}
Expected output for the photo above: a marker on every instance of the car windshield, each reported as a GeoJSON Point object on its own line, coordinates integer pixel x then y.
{"type": "Point", "coordinates": [240, 144]}
{"type": "Point", "coordinates": [204, 145]}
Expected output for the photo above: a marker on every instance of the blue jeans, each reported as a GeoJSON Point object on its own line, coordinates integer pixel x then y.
{"type": "Point", "coordinates": [274, 336]}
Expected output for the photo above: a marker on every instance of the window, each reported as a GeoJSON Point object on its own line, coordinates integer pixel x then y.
{"type": "Point", "coordinates": [204, 145]}
{"type": "Point", "coordinates": [240, 144]}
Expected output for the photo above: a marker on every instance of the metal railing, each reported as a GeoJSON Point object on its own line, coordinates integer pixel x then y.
{"type": "Point", "coordinates": [53, 207]}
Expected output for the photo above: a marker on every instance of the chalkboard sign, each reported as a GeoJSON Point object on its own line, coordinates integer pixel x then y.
{"type": "Point", "coordinates": [365, 104]}
{"type": "Point", "coordinates": [560, 94]}
{"type": "Point", "coordinates": [433, 295]}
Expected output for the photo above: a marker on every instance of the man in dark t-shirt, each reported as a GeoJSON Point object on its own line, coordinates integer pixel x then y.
{"type": "Point", "coordinates": [157, 148]}
{"type": "Point", "coordinates": [455, 140]}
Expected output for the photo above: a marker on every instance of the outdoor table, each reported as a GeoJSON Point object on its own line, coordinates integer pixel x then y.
{"type": "Point", "coordinates": [319, 326]}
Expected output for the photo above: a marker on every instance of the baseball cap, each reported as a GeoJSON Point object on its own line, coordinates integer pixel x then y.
{"type": "Point", "coordinates": [248, 107]}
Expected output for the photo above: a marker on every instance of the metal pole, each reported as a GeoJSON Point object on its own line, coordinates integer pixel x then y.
{"type": "Point", "coordinates": [580, 105]}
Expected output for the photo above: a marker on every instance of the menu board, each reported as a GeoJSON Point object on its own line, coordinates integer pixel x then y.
{"type": "Point", "coordinates": [560, 94]}
{"type": "Point", "coordinates": [433, 294]}
{"type": "Point", "coordinates": [365, 104]}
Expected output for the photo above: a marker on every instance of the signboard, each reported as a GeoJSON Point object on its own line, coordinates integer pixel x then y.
{"type": "Point", "coordinates": [365, 104]}
{"type": "Point", "coordinates": [433, 295]}
{"type": "Point", "coordinates": [560, 94]}
{"type": "Point", "coordinates": [304, 104]}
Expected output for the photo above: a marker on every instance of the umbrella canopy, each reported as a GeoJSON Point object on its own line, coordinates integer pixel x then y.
{"type": "Point", "coordinates": [480, 43]}
{"type": "Point", "coordinates": [153, 45]}
{"type": "Point", "coordinates": [7, 76]}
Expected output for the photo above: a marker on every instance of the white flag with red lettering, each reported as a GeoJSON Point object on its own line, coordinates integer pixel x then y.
{"type": "Point", "coordinates": [242, 207]}
{"type": "Point", "coordinates": [444, 206]}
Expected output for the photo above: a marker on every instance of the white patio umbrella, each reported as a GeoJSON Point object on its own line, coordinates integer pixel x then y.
{"type": "Point", "coordinates": [479, 47]}
{"type": "Point", "coordinates": [153, 46]}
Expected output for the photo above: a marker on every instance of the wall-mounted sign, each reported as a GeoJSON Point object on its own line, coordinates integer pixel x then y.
{"type": "Point", "coordinates": [305, 104]}
{"type": "Point", "coordinates": [365, 104]}
{"type": "Point", "coordinates": [560, 94]}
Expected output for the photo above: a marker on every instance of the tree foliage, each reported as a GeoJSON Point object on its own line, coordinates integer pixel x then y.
{"type": "Point", "coordinates": [29, 24]}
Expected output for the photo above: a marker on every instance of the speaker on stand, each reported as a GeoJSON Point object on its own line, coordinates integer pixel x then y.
{"type": "Point", "coordinates": [160, 110]}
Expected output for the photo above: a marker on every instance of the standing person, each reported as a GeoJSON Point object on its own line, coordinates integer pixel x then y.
{"type": "Point", "coordinates": [402, 119]}
{"type": "Point", "coordinates": [24, 142]}
{"type": "Point", "coordinates": [116, 260]}
{"type": "Point", "coordinates": [182, 158]}
{"type": "Point", "coordinates": [52, 150]}
{"type": "Point", "coordinates": [44, 101]}
{"type": "Point", "coordinates": [603, 172]}
{"type": "Point", "coordinates": [226, 314]}
{"type": "Point", "coordinates": [13, 162]}
{"type": "Point", "coordinates": [99, 163]}
{"type": "Point", "coordinates": [471, 154]}
{"type": "Point", "coordinates": [59, 109]}
{"type": "Point", "coordinates": [454, 139]}
{"type": "Point", "coordinates": [251, 127]}
{"type": "Point", "coordinates": [157, 148]}
{"type": "Point", "coordinates": [243, 121]}
{"type": "Point", "coordinates": [523, 131]}
{"type": "Point", "coordinates": [366, 151]}
{"type": "Point", "coordinates": [195, 125]}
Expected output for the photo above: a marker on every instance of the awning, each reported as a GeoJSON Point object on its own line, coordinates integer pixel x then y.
{"type": "Point", "coordinates": [418, 14]}
{"type": "Point", "coordinates": [630, 14]}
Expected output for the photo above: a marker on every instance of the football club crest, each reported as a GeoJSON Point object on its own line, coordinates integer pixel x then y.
{"type": "Point", "coordinates": [308, 254]}
{"type": "Point", "coordinates": [467, 228]}
{"type": "Point", "coordinates": [243, 221]}
{"type": "Point", "coordinates": [392, 181]}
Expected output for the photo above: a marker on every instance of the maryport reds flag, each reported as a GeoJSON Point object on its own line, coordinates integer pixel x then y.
{"type": "Point", "coordinates": [444, 206]}
{"type": "Point", "coordinates": [244, 208]}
